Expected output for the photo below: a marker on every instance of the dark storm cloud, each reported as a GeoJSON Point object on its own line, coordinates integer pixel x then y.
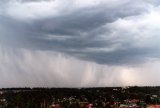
{"type": "Point", "coordinates": [86, 19]}
{"type": "Point", "coordinates": [79, 31]}
{"type": "Point", "coordinates": [79, 43]}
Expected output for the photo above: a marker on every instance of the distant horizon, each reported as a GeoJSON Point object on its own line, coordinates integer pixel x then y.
{"type": "Point", "coordinates": [75, 87]}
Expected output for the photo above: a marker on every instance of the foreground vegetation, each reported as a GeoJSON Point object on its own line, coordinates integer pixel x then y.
{"type": "Point", "coordinates": [77, 97]}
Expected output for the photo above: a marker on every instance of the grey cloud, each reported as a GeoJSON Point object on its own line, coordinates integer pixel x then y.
{"type": "Point", "coordinates": [86, 19]}
{"type": "Point", "coordinates": [102, 45]}
{"type": "Point", "coordinates": [85, 28]}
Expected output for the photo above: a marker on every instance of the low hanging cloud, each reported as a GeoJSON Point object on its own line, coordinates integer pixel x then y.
{"type": "Point", "coordinates": [80, 43]}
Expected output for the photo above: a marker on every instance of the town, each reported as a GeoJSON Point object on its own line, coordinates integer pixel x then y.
{"type": "Point", "coordinates": [107, 97]}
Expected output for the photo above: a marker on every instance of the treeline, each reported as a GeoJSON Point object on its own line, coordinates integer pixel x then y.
{"type": "Point", "coordinates": [44, 97]}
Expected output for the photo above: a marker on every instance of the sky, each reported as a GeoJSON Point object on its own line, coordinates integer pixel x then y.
{"type": "Point", "coordinates": [79, 43]}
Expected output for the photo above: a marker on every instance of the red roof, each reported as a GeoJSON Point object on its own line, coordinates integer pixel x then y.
{"type": "Point", "coordinates": [153, 106]}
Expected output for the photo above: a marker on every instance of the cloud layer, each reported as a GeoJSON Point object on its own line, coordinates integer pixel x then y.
{"type": "Point", "coordinates": [85, 43]}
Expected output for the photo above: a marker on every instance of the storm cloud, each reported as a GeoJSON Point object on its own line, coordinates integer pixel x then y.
{"type": "Point", "coordinates": [85, 43]}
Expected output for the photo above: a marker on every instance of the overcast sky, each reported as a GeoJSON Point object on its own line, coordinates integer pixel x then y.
{"type": "Point", "coordinates": [79, 43]}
